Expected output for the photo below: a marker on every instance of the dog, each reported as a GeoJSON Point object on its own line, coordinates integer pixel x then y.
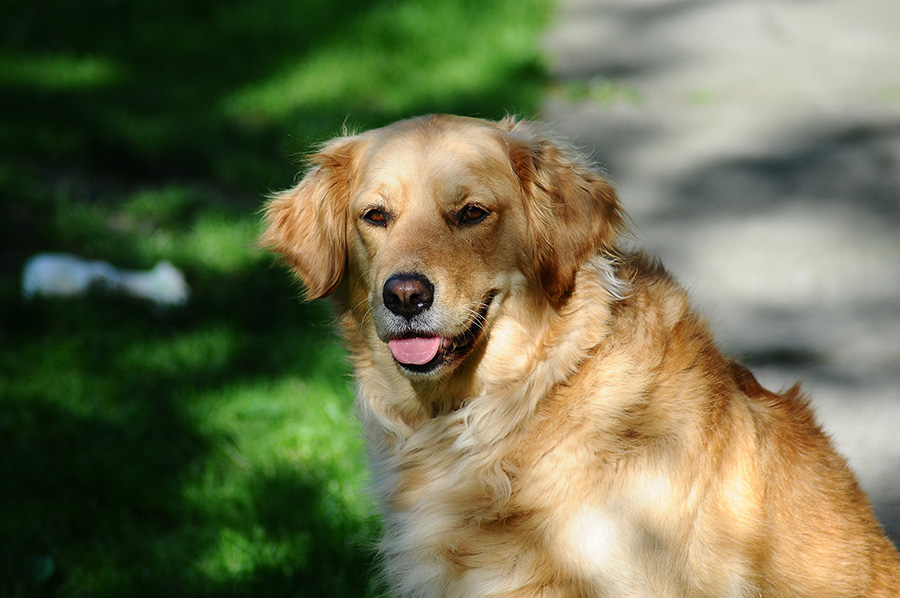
{"type": "Point", "coordinates": [545, 414]}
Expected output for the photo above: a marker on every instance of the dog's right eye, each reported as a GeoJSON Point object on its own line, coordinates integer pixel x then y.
{"type": "Point", "coordinates": [376, 217]}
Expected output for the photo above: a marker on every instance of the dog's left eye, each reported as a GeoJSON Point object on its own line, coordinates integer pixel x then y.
{"type": "Point", "coordinates": [471, 214]}
{"type": "Point", "coordinates": [376, 217]}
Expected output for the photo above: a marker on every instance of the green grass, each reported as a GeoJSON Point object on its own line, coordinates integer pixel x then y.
{"type": "Point", "coordinates": [209, 450]}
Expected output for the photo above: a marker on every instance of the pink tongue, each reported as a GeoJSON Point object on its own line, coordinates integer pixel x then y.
{"type": "Point", "coordinates": [415, 351]}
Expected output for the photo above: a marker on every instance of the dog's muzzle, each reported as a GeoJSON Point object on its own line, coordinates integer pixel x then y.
{"type": "Point", "coordinates": [422, 349]}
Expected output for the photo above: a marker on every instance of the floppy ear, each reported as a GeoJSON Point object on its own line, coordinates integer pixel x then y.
{"type": "Point", "coordinates": [307, 224]}
{"type": "Point", "coordinates": [572, 211]}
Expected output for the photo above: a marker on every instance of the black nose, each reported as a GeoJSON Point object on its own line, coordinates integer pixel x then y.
{"type": "Point", "coordinates": [407, 294]}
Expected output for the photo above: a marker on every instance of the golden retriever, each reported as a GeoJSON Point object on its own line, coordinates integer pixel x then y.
{"type": "Point", "coordinates": [545, 414]}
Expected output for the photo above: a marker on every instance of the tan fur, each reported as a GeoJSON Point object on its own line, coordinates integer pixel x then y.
{"type": "Point", "coordinates": [594, 442]}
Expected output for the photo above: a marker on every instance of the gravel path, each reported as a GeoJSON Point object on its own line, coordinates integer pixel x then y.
{"type": "Point", "coordinates": [756, 146]}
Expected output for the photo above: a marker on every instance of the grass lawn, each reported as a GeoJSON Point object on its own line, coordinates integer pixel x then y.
{"type": "Point", "coordinates": [209, 450]}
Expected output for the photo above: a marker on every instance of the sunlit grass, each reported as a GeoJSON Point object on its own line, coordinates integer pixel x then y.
{"type": "Point", "coordinates": [54, 71]}
{"type": "Point", "coordinates": [210, 450]}
{"type": "Point", "coordinates": [206, 348]}
{"type": "Point", "coordinates": [223, 244]}
{"type": "Point", "coordinates": [304, 427]}
{"type": "Point", "coordinates": [397, 58]}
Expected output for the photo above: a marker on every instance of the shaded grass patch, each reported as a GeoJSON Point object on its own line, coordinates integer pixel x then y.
{"type": "Point", "coordinates": [209, 450]}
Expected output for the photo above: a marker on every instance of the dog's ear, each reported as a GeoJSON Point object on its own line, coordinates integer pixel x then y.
{"type": "Point", "coordinates": [307, 224]}
{"type": "Point", "coordinates": [572, 211]}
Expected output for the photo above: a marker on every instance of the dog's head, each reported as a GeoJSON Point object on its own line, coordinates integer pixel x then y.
{"type": "Point", "coordinates": [425, 227]}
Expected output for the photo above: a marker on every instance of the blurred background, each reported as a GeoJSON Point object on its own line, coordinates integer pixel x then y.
{"type": "Point", "coordinates": [756, 146]}
{"type": "Point", "coordinates": [210, 449]}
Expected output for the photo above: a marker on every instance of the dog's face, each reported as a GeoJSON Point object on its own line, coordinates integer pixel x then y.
{"type": "Point", "coordinates": [429, 228]}
{"type": "Point", "coordinates": [425, 228]}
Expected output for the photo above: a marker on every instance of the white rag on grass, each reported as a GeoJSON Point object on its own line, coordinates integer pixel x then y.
{"type": "Point", "coordinates": [65, 275]}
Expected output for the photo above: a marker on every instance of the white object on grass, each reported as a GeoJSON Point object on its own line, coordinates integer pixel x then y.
{"type": "Point", "coordinates": [65, 275]}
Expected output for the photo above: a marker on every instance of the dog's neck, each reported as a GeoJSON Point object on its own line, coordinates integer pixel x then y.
{"type": "Point", "coordinates": [552, 346]}
{"type": "Point", "coordinates": [491, 394]}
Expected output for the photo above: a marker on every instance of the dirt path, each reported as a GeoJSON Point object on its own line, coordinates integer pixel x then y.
{"type": "Point", "coordinates": [756, 145]}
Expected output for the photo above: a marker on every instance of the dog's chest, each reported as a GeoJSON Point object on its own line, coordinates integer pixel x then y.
{"type": "Point", "coordinates": [457, 531]}
{"type": "Point", "coordinates": [480, 527]}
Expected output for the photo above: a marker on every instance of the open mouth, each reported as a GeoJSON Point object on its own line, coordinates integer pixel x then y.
{"type": "Point", "coordinates": [425, 354]}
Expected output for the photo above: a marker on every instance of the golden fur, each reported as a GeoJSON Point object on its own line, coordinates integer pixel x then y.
{"type": "Point", "coordinates": [577, 433]}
